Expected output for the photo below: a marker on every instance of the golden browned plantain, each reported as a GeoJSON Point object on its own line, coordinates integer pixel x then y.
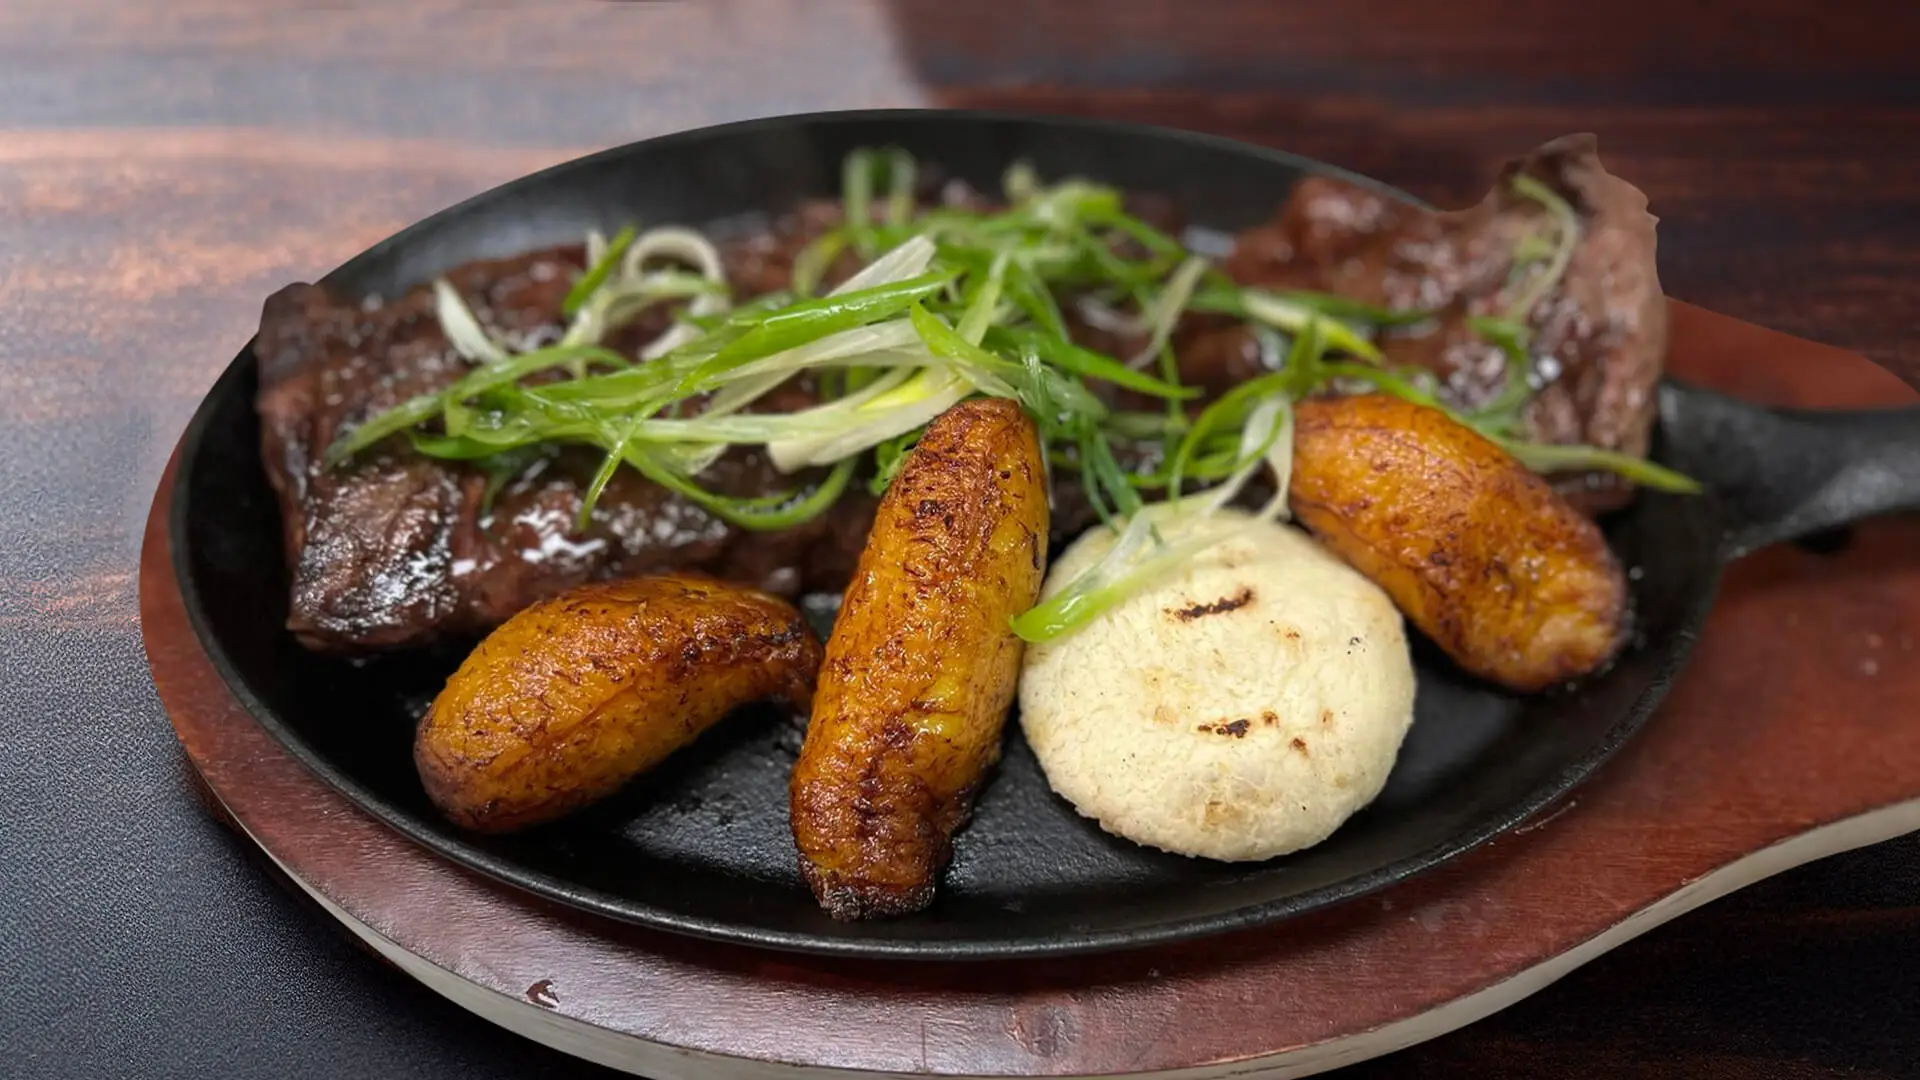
{"type": "Point", "coordinates": [576, 695]}
{"type": "Point", "coordinates": [1478, 552]}
{"type": "Point", "coordinates": [921, 666]}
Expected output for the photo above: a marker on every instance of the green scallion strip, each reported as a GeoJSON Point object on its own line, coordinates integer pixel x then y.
{"type": "Point", "coordinates": [1170, 374]}
{"type": "Point", "coordinates": [1097, 456]}
{"type": "Point", "coordinates": [1549, 458]}
{"type": "Point", "coordinates": [900, 180]}
{"type": "Point", "coordinates": [765, 513]}
{"type": "Point", "coordinates": [1512, 333]}
{"type": "Point", "coordinates": [810, 320]}
{"type": "Point", "coordinates": [889, 456]}
{"type": "Point", "coordinates": [980, 307]}
{"type": "Point", "coordinates": [1532, 248]}
{"type": "Point", "coordinates": [1567, 223]}
{"type": "Point", "coordinates": [598, 273]}
{"type": "Point", "coordinates": [810, 266]}
{"type": "Point", "coordinates": [1389, 382]}
{"type": "Point", "coordinates": [469, 447]}
{"type": "Point", "coordinates": [1143, 425]}
{"type": "Point", "coordinates": [1118, 575]}
{"type": "Point", "coordinates": [1282, 314]}
{"type": "Point", "coordinates": [604, 475]}
{"type": "Point", "coordinates": [984, 371]}
{"type": "Point", "coordinates": [1061, 353]}
{"type": "Point", "coordinates": [1517, 386]}
{"type": "Point", "coordinates": [515, 368]}
{"type": "Point", "coordinates": [1020, 183]}
{"type": "Point", "coordinates": [424, 407]}
{"type": "Point", "coordinates": [412, 412]}
{"type": "Point", "coordinates": [1224, 413]}
{"type": "Point", "coordinates": [1093, 487]}
{"type": "Point", "coordinates": [1339, 307]}
{"type": "Point", "coordinates": [1030, 293]}
{"type": "Point", "coordinates": [856, 200]}
{"type": "Point", "coordinates": [1165, 310]}
{"type": "Point", "coordinates": [1147, 236]}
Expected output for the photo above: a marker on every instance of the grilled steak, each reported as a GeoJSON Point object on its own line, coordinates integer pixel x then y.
{"type": "Point", "coordinates": [1600, 336]}
{"type": "Point", "coordinates": [395, 549]}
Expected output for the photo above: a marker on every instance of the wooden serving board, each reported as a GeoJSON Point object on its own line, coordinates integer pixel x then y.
{"type": "Point", "coordinates": [1792, 736]}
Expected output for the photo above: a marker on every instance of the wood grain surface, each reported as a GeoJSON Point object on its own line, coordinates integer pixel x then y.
{"type": "Point", "coordinates": [163, 167]}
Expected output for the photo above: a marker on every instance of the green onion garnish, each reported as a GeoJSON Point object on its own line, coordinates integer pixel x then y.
{"type": "Point", "coordinates": [950, 303]}
{"type": "Point", "coordinates": [598, 273]}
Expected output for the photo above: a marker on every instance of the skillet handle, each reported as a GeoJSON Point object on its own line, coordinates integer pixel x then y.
{"type": "Point", "coordinates": [1783, 474]}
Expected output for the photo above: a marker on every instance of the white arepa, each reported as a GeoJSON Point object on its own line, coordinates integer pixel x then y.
{"type": "Point", "coordinates": [1241, 707]}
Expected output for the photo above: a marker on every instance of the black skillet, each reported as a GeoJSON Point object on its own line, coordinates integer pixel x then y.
{"type": "Point", "coordinates": [702, 846]}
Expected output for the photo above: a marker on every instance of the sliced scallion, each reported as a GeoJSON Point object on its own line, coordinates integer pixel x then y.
{"type": "Point", "coordinates": [597, 274]}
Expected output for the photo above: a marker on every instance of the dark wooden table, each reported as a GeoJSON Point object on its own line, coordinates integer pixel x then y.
{"type": "Point", "coordinates": [163, 167]}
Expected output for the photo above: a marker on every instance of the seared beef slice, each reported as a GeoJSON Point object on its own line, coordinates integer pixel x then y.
{"type": "Point", "coordinates": [394, 549]}
{"type": "Point", "coordinates": [1600, 335]}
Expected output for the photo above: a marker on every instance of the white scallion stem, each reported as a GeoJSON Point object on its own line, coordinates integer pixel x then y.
{"type": "Point", "coordinates": [674, 242]}
{"type": "Point", "coordinates": [463, 330]}
{"type": "Point", "coordinates": [1267, 426]}
{"type": "Point", "coordinates": [1107, 319]}
{"type": "Point", "coordinates": [1020, 182]}
{"type": "Point", "coordinates": [1162, 537]}
{"type": "Point", "coordinates": [695, 458]}
{"type": "Point", "coordinates": [615, 303]}
{"type": "Point", "coordinates": [1567, 237]}
{"type": "Point", "coordinates": [909, 260]}
{"type": "Point", "coordinates": [986, 304]}
{"type": "Point", "coordinates": [821, 420]}
{"type": "Point", "coordinates": [1166, 309]}
{"type": "Point", "coordinates": [680, 333]}
{"type": "Point", "coordinates": [693, 249]}
{"type": "Point", "coordinates": [882, 344]}
{"type": "Point", "coordinates": [1280, 460]}
{"type": "Point", "coordinates": [1284, 314]}
{"type": "Point", "coordinates": [902, 409]}
{"type": "Point", "coordinates": [892, 334]}
{"type": "Point", "coordinates": [1157, 540]}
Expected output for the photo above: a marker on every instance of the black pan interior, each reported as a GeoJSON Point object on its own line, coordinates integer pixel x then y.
{"type": "Point", "coordinates": [702, 845]}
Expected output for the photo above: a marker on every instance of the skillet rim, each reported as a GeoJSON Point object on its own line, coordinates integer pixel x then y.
{"type": "Point", "coordinates": [973, 948]}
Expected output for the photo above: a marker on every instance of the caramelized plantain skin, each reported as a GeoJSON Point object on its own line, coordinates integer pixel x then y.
{"type": "Point", "coordinates": [921, 666]}
{"type": "Point", "coordinates": [1478, 551]}
{"type": "Point", "coordinates": [576, 695]}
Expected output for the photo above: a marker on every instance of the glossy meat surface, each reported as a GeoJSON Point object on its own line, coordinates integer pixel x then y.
{"type": "Point", "coordinates": [395, 549]}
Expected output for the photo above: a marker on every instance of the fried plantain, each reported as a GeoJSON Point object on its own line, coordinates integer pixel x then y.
{"type": "Point", "coordinates": [575, 696]}
{"type": "Point", "coordinates": [921, 666]}
{"type": "Point", "coordinates": [1478, 551]}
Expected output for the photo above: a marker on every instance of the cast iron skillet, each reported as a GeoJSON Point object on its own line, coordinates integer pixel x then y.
{"type": "Point", "coordinates": [702, 846]}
